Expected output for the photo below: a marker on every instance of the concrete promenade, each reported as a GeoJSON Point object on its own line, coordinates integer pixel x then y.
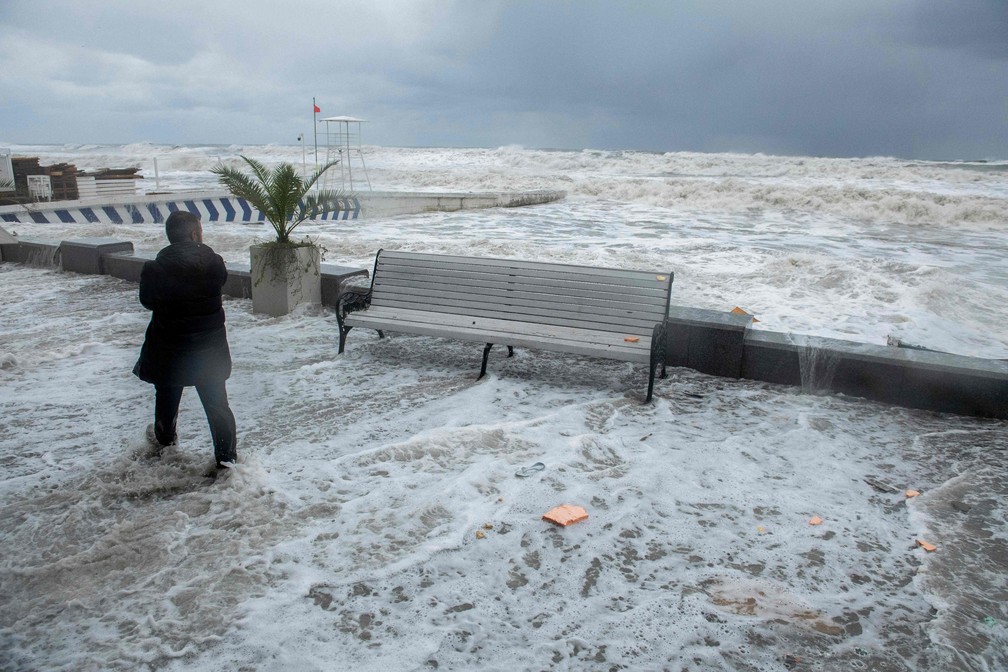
{"type": "Point", "coordinates": [713, 342]}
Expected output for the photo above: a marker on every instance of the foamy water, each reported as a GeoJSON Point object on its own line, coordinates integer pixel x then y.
{"type": "Point", "coordinates": [346, 537]}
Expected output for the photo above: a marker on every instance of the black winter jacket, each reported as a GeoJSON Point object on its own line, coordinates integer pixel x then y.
{"type": "Point", "coordinates": [186, 343]}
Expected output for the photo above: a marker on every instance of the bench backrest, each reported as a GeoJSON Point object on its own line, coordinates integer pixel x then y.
{"type": "Point", "coordinates": [606, 299]}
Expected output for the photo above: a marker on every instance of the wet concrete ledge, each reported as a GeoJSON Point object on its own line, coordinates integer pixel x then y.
{"type": "Point", "coordinates": [722, 344]}
{"type": "Point", "coordinates": [392, 203]}
{"type": "Point", "coordinates": [87, 255]}
{"type": "Point", "coordinates": [104, 256]}
{"type": "Point", "coordinates": [217, 206]}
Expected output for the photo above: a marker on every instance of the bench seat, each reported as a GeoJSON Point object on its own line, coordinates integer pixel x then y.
{"type": "Point", "coordinates": [573, 340]}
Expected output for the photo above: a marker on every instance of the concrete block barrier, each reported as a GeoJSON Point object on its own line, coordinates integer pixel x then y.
{"type": "Point", "coordinates": [334, 279]}
{"type": "Point", "coordinates": [85, 255]}
{"type": "Point", "coordinates": [239, 282]}
{"type": "Point", "coordinates": [6, 239]}
{"type": "Point", "coordinates": [126, 265]}
{"type": "Point", "coordinates": [722, 344]}
{"type": "Point", "coordinates": [927, 380]}
{"type": "Point", "coordinates": [44, 253]}
{"type": "Point", "coordinates": [706, 340]}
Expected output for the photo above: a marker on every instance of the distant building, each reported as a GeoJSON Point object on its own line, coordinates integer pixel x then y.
{"type": "Point", "coordinates": [62, 182]}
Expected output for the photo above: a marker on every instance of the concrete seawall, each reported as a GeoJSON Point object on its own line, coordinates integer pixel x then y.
{"type": "Point", "coordinates": [721, 343]}
{"type": "Point", "coordinates": [712, 342]}
{"type": "Point", "coordinates": [104, 256]}
{"type": "Point", "coordinates": [217, 206]}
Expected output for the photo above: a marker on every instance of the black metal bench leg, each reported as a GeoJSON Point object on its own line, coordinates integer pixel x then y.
{"type": "Point", "coordinates": [486, 354]}
{"type": "Point", "coordinates": [342, 338]}
{"type": "Point", "coordinates": [658, 349]}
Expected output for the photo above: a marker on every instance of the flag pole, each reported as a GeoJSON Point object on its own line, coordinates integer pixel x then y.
{"type": "Point", "coordinates": [314, 108]}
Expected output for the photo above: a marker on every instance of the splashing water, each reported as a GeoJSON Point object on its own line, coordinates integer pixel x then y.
{"type": "Point", "coordinates": [817, 363]}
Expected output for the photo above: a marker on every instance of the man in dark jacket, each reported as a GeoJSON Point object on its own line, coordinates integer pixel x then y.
{"type": "Point", "coordinates": [186, 343]}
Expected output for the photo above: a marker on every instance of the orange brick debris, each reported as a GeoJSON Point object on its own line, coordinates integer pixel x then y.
{"type": "Point", "coordinates": [565, 515]}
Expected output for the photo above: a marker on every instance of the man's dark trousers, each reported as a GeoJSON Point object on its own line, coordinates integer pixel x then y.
{"type": "Point", "coordinates": [219, 415]}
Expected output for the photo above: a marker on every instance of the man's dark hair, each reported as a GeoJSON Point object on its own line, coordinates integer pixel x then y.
{"type": "Point", "coordinates": [180, 226]}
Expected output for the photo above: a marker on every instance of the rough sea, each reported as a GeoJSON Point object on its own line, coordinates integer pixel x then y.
{"type": "Point", "coordinates": [346, 536]}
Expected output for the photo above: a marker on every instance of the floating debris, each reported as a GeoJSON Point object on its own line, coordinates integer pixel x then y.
{"type": "Point", "coordinates": [881, 485]}
{"type": "Point", "coordinates": [739, 311]}
{"type": "Point", "coordinates": [566, 514]}
{"type": "Point", "coordinates": [791, 661]}
{"type": "Point", "coordinates": [525, 472]}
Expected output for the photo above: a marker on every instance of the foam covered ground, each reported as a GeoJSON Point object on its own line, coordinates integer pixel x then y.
{"type": "Point", "coordinates": [346, 537]}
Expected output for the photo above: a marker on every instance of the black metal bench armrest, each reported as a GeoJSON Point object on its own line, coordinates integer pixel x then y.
{"type": "Point", "coordinates": [350, 300]}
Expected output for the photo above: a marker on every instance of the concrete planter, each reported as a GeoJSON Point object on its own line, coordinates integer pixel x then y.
{"type": "Point", "coordinates": [282, 278]}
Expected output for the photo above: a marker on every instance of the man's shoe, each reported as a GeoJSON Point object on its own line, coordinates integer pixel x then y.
{"type": "Point", "coordinates": [155, 447]}
{"type": "Point", "coordinates": [153, 440]}
{"type": "Point", "coordinates": [217, 467]}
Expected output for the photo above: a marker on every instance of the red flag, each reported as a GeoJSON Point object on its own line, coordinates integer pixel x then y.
{"type": "Point", "coordinates": [317, 110]}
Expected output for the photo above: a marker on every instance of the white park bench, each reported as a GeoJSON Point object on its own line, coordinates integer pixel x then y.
{"type": "Point", "coordinates": [585, 310]}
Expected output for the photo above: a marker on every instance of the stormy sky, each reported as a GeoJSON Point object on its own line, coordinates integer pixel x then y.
{"type": "Point", "coordinates": [915, 79]}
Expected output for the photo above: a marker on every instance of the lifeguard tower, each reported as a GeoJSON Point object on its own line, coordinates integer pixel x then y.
{"type": "Point", "coordinates": [343, 143]}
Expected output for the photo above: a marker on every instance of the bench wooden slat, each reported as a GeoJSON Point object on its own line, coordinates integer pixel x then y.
{"type": "Point", "coordinates": [567, 278]}
{"type": "Point", "coordinates": [516, 301]}
{"type": "Point", "coordinates": [443, 260]}
{"type": "Point", "coordinates": [495, 286]}
{"type": "Point", "coordinates": [545, 314]}
{"type": "Point", "coordinates": [541, 278]}
{"type": "Point", "coordinates": [453, 302]}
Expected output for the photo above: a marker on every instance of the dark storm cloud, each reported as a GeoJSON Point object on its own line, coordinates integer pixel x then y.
{"type": "Point", "coordinates": [976, 26]}
{"type": "Point", "coordinates": [749, 78]}
{"type": "Point", "coordinates": [850, 79]}
{"type": "Point", "coordinates": [915, 79]}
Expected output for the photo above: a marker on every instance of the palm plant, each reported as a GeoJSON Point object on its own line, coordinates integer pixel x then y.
{"type": "Point", "coordinates": [284, 272]}
{"type": "Point", "coordinates": [281, 195]}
